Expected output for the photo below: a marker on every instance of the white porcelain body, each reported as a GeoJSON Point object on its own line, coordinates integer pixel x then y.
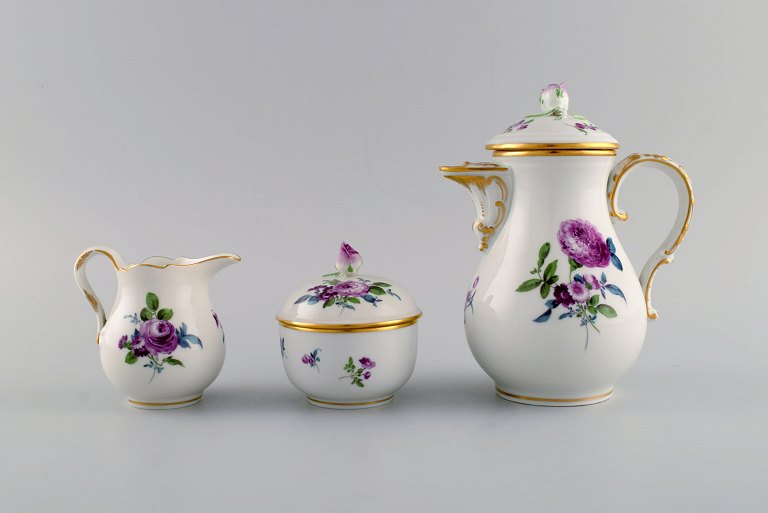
{"type": "Point", "coordinates": [552, 360]}
{"type": "Point", "coordinates": [185, 290]}
{"type": "Point", "coordinates": [328, 384]}
{"type": "Point", "coordinates": [526, 337]}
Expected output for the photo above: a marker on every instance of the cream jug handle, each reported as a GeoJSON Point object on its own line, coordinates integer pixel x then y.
{"type": "Point", "coordinates": [85, 286]}
{"type": "Point", "coordinates": [485, 182]}
{"type": "Point", "coordinates": [665, 254]}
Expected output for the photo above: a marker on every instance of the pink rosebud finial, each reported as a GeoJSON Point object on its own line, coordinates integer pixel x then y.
{"type": "Point", "coordinates": [554, 96]}
{"type": "Point", "coordinates": [349, 259]}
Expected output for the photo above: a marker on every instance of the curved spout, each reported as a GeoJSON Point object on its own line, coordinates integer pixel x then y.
{"type": "Point", "coordinates": [486, 184]}
{"type": "Point", "coordinates": [213, 264]}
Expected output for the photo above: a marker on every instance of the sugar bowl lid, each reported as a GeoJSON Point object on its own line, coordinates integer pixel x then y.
{"type": "Point", "coordinates": [553, 128]}
{"type": "Point", "coordinates": [347, 299]}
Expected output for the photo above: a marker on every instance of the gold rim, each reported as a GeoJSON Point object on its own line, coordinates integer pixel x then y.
{"type": "Point", "coordinates": [351, 404]}
{"type": "Point", "coordinates": [550, 400]}
{"type": "Point", "coordinates": [490, 167]}
{"type": "Point", "coordinates": [350, 328]}
{"type": "Point", "coordinates": [139, 403]}
{"type": "Point", "coordinates": [84, 256]}
{"type": "Point", "coordinates": [554, 153]}
{"type": "Point", "coordinates": [553, 146]}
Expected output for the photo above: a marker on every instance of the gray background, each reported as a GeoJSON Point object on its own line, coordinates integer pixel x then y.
{"type": "Point", "coordinates": [275, 130]}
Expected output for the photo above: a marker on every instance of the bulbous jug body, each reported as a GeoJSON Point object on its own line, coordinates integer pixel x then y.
{"type": "Point", "coordinates": [163, 342]}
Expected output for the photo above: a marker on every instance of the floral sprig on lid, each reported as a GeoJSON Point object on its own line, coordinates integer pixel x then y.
{"type": "Point", "coordinates": [344, 291]}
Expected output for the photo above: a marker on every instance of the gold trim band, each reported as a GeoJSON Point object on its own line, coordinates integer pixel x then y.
{"type": "Point", "coordinates": [488, 167]}
{"type": "Point", "coordinates": [554, 153]}
{"type": "Point", "coordinates": [553, 146]}
{"type": "Point", "coordinates": [351, 404]}
{"type": "Point", "coordinates": [350, 328]}
{"type": "Point", "coordinates": [551, 400]}
{"type": "Point", "coordinates": [84, 256]}
{"type": "Point", "coordinates": [139, 403]}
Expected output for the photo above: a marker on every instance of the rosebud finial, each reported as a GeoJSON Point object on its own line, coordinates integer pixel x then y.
{"type": "Point", "coordinates": [349, 260]}
{"type": "Point", "coordinates": [554, 97]}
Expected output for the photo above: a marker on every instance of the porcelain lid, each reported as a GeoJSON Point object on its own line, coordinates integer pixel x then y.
{"type": "Point", "coordinates": [346, 297]}
{"type": "Point", "coordinates": [553, 127]}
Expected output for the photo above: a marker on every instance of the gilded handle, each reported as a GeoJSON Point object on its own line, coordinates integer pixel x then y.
{"type": "Point", "coordinates": [665, 254]}
{"type": "Point", "coordinates": [488, 189]}
{"type": "Point", "coordinates": [85, 285]}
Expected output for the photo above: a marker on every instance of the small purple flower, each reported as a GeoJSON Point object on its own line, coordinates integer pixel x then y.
{"type": "Point", "coordinates": [592, 280]}
{"type": "Point", "coordinates": [122, 341]}
{"type": "Point", "coordinates": [350, 289]}
{"type": "Point", "coordinates": [366, 375]}
{"type": "Point", "coordinates": [578, 291]}
{"type": "Point", "coordinates": [520, 125]}
{"type": "Point", "coordinates": [580, 240]}
{"type": "Point", "coordinates": [585, 126]}
{"type": "Point", "coordinates": [323, 292]}
{"type": "Point", "coordinates": [367, 363]}
{"type": "Point", "coordinates": [562, 295]}
{"type": "Point", "coordinates": [308, 360]}
{"type": "Point", "coordinates": [349, 259]}
{"type": "Point", "coordinates": [159, 337]}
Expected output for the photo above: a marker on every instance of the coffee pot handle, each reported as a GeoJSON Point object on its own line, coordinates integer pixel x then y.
{"type": "Point", "coordinates": [665, 254]}
{"type": "Point", "coordinates": [85, 285]}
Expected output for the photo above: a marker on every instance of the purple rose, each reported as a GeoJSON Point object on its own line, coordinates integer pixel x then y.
{"type": "Point", "coordinates": [367, 363]}
{"type": "Point", "coordinates": [349, 259]}
{"type": "Point", "coordinates": [350, 289]}
{"type": "Point", "coordinates": [158, 336]}
{"type": "Point", "coordinates": [578, 291]}
{"type": "Point", "coordinates": [562, 295]}
{"type": "Point", "coordinates": [122, 341]}
{"type": "Point", "coordinates": [580, 240]}
{"type": "Point", "coordinates": [366, 374]}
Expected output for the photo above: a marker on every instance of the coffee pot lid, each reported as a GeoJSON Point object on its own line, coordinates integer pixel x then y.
{"type": "Point", "coordinates": [553, 127]}
{"type": "Point", "coordinates": [346, 297]}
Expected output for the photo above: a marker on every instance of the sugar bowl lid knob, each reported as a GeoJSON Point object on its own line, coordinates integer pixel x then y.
{"type": "Point", "coordinates": [349, 260]}
{"type": "Point", "coordinates": [554, 99]}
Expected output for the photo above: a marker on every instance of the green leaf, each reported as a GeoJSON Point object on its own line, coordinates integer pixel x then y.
{"type": "Point", "coordinates": [529, 285]}
{"type": "Point", "coordinates": [360, 384]}
{"type": "Point", "coordinates": [130, 357]}
{"type": "Point", "coordinates": [349, 362]}
{"type": "Point", "coordinates": [574, 264]}
{"type": "Point", "coordinates": [173, 361]}
{"type": "Point", "coordinates": [350, 269]}
{"type": "Point", "coordinates": [329, 302]}
{"type": "Point", "coordinates": [553, 280]}
{"type": "Point", "coordinates": [592, 309]}
{"type": "Point", "coordinates": [544, 290]}
{"type": "Point", "coordinates": [550, 270]}
{"type": "Point", "coordinates": [543, 253]}
{"type": "Point", "coordinates": [606, 310]}
{"type": "Point", "coordinates": [377, 290]}
{"type": "Point", "coordinates": [353, 300]}
{"type": "Point", "coordinates": [152, 301]}
{"type": "Point", "coordinates": [594, 300]}
{"type": "Point", "coordinates": [165, 314]}
{"type": "Point", "coordinates": [381, 284]}
{"type": "Point", "coordinates": [333, 282]}
{"type": "Point", "coordinates": [145, 314]}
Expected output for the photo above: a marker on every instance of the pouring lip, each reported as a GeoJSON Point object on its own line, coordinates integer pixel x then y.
{"type": "Point", "coordinates": [161, 262]}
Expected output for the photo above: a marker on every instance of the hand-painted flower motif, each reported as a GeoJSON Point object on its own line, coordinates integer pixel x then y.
{"type": "Point", "coordinates": [580, 241]}
{"type": "Point", "coordinates": [520, 125]}
{"type": "Point", "coordinates": [312, 359]}
{"type": "Point", "coordinates": [357, 375]}
{"type": "Point", "coordinates": [469, 301]}
{"type": "Point", "coordinates": [584, 246]}
{"type": "Point", "coordinates": [219, 325]}
{"type": "Point", "coordinates": [155, 337]}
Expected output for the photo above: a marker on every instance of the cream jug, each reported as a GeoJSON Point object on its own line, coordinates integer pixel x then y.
{"type": "Point", "coordinates": [555, 313]}
{"type": "Point", "coordinates": [163, 342]}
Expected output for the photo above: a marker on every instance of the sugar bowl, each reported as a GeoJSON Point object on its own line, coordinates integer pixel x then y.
{"type": "Point", "coordinates": [348, 340]}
